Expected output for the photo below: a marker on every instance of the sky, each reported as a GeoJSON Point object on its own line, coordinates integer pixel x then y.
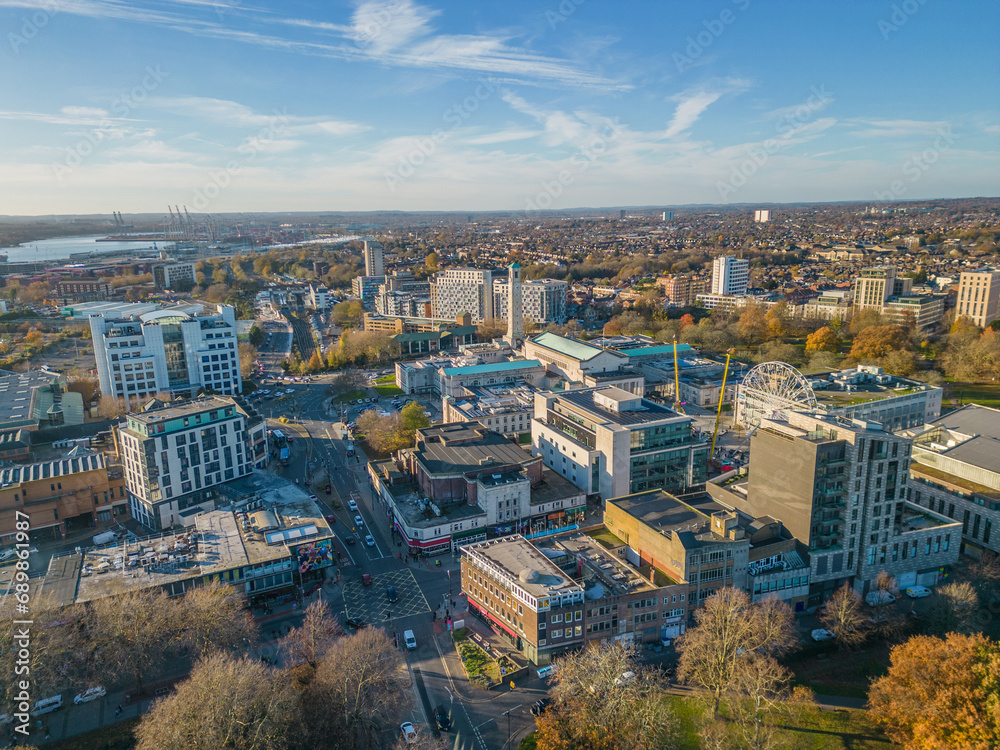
{"type": "Point", "coordinates": [251, 105]}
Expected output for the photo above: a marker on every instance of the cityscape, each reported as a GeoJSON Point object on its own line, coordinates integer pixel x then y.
{"type": "Point", "coordinates": [507, 377]}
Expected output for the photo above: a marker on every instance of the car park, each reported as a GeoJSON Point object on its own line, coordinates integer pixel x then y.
{"type": "Point", "coordinates": [918, 592]}
{"type": "Point", "coordinates": [875, 598]}
{"type": "Point", "coordinates": [370, 540]}
{"type": "Point", "coordinates": [442, 719]}
{"type": "Point", "coordinates": [91, 694]}
{"type": "Point", "coordinates": [408, 732]}
{"type": "Point", "coordinates": [821, 634]}
{"type": "Point", "coordinates": [358, 520]}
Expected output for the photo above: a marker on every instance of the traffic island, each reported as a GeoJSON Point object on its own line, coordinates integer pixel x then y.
{"type": "Point", "coordinates": [480, 667]}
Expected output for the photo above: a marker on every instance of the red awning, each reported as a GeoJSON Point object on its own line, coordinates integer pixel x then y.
{"type": "Point", "coordinates": [494, 620]}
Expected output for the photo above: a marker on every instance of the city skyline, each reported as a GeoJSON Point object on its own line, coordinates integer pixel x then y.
{"type": "Point", "coordinates": [414, 106]}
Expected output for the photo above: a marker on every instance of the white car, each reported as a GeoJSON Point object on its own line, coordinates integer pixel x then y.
{"type": "Point", "coordinates": [352, 505]}
{"type": "Point", "coordinates": [7, 554]}
{"type": "Point", "coordinates": [822, 634]}
{"type": "Point", "coordinates": [918, 592]}
{"type": "Point", "coordinates": [875, 598]}
{"type": "Point", "coordinates": [370, 540]}
{"type": "Point", "coordinates": [359, 520]}
{"type": "Point", "coordinates": [409, 733]}
{"type": "Point", "coordinates": [91, 694]}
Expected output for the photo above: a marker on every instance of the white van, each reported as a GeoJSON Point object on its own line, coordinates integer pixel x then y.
{"type": "Point", "coordinates": [47, 705]}
{"type": "Point", "coordinates": [410, 640]}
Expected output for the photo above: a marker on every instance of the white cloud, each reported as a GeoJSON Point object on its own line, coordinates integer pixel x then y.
{"type": "Point", "coordinates": [897, 128]}
{"type": "Point", "coordinates": [689, 110]}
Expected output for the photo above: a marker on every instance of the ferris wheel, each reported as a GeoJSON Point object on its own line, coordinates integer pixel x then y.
{"type": "Point", "coordinates": [769, 391]}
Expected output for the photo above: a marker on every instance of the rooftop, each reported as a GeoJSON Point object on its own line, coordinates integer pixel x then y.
{"type": "Point", "coordinates": [517, 364]}
{"type": "Point", "coordinates": [570, 347]}
{"type": "Point", "coordinates": [49, 469]}
{"type": "Point", "coordinates": [646, 412]}
{"type": "Point", "coordinates": [461, 447]}
{"type": "Point", "coordinates": [18, 394]}
{"type": "Point", "coordinates": [688, 517]}
{"type": "Point", "coordinates": [600, 572]}
{"type": "Point", "coordinates": [520, 561]}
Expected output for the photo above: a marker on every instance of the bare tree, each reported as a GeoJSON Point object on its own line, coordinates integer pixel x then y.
{"type": "Point", "coordinates": [346, 382]}
{"type": "Point", "coordinates": [844, 617]}
{"type": "Point", "coordinates": [759, 690]}
{"type": "Point", "coordinates": [604, 699]}
{"type": "Point", "coordinates": [110, 407]}
{"type": "Point", "coordinates": [954, 609]}
{"type": "Point", "coordinates": [215, 617]}
{"type": "Point", "coordinates": [310, 641]}
{"type": "Point", "coordinates": [229, 703]}
{"type": "Point", "coordinates": [731, 632]}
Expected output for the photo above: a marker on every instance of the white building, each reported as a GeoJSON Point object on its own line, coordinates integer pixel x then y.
{"type": "Point", "coordinates": [374, 259]}
{"type": "Point", "coordinates": [459, 290]}
{"type": "Point", "coordinates": [762, 216]}
{"type": "Point", "coordinates": [730, 275]}
{"type": "Point", "coordinates": [174, 275]}
{"type": "Point", "coordinates": [174, 457]}
{"type": "Point", "coordinates": [543, 301]}
{"type": "Point", "coordinates": [318, 297]}
{"type": "Point", "coordinates": [167, 351]}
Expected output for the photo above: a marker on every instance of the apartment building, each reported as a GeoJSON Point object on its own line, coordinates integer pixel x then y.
{"type": "Point", "coordinates": [979, 296]}
{"type": "Point", "coordinates": [543, 300]}
{"type": "Point", "coordinates": [840, 487]}
{"type": "Point", "coordinates": [174, 276]}
{"type": "Point", "coordinates": [374, 259]}
{"type": "Point", "coordinates": [730, 275]}
{"type": "Point", "coordinates": [614, 443]}
{"type": "Point", "coordinates": [176, 456]}
{"type": "Point", "coordinates": [682, 290]}
{"type": "Point", "coordinates": [82, 289]}
{"type": "Point", "coordinates": [955, 471]}
{"type": "Point", "coordinates": [318, 297]}
{"type": "Point", "coordinates": [880, 289]}
{"type": "Point", "coordinates": [169, 351]}
{"type": "Point", "coordinates": [459, 290]}
{"type": "Point", "coordinates": [60, 495]}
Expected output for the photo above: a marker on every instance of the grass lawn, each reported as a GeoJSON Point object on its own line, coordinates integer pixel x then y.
{"type": "Point", "coordinates": [388, 390]}
{"type": "Point", "coordinates": [118, 736]}
{"type": "Point", "coordinates": [853, 673]}
{"type": "Point", "coordinates": [386, 379]}
{"type": "Point", "coordinates": [984, 394]}
{"type": "Point", "coordinates": [802, 728]}
{"type": "Point", "coordinates": [350, 396]}
{"type": "Point", "coordinates": [481, 668]}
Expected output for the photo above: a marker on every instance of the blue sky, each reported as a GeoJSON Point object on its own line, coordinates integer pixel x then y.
{"type": "Point", "coordinates": [246, 105]}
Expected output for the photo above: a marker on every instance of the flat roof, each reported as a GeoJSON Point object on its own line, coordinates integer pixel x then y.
{"type": "Point", "coordinates": [461, 447]}
{"type": "Point", "coordinates": [650, 412]}
{"type": "Point", "coordinates": [517, 364]}
{"type": "Point", "coordinates": [972, 419]}
{"type": "Point", "coordinates": [523, 562]}
{"type": "Point", "coordinates": [17, 393]}
{"type": "Point", "coordinates": [657, 351]}
{"type": "Point", "coordinates": [570, 347]}
{"type": "Point", "coordinates": [689, 517]}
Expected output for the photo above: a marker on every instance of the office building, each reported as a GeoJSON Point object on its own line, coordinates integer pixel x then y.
{"type": "Point", "coordinates": [82, 289]}
{"type": "Point", "coordinates": [180, 276]}
{"type": "Point", "coordinates": [366, 288]}
{"type": "Point", "coordinates": [176, 456]}
{"type": "Point", "coordinates": [374, 259]}
{"type": "Point", "coordinates": [840, 487]}
{"type": "Point", "coordinates": [507, 409]}
{"type": "Point", "coordinates": [979, 296]}
{"type": "Point", "coordinates": [65, 494]}
{"type": "Point", "coordinates": [613, 443]}
{"type": "Point", "coordinates": [955, 471]}
{"type": "Point", "coordinates": [167, 351]}
{"type": "Point", "coordinates": [462, 483]}
{"type": "Point", "coordinates": [543, 301]}
{"type": "Point", "coordinates": [668, 216]}
{"type": "Point", "coordinates": [730, 275]}
{"type": "Point", "coordinates": [459, 290]}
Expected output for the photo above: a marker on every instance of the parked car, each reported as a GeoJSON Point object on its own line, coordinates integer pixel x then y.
{"type": "Point", "coordinates": [408, 732]}
{"type": "Point", "coordinates": [821, 634]}
{"type": "Point", "coordinates": [354, 623]}
{"type": "Point", "coordinates": [875, 598]}
{"type": "Point", "coordinates": [391, 594]}
{"type": "Point", "coordinates": [370, 540]}
{"type": "Point", "coordinates": [918, 592]}
{"type": "Point", "coordinates": [539, 706]}
{"type": "Point", "coordinates": [91, 694]}
{"type": "Point", "coordinates": [442, 719]}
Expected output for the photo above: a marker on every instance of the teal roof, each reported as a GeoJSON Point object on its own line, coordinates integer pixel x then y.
{"type": "Point", "coordinates": [570, 347]}
{"type": "Point", "coordinates": [655, 351]}
{"type": "Point", "coordinates": [515, 264]}
{"type": "Point", "coordinates": [517, 364]}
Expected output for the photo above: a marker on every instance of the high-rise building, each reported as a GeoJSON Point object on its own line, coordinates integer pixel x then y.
{"type": "Point", "coordinates": [979, 296]}
{"type": "Point", "coordinates": [668, 216]}
{"type": "Point", "coordinates": [840, 487]}
{"type": "Point", "coordinates": [174, 456]}
{"type": "Point", "coordinates": [762, 217]}
{"type": "Point", "coordinates": [874, 286]}
{"type": "Point", "coordinates": [515, 310]}
{"type": "Point", "coordinates": [730, 275]}
{"type": "Point", "coordinates": [542, 300]}
{"type": "Point", "coordinates": [174, 276]}
{"type": "Point", "coordinates": [374, 260]}
{"type": "Point", "coordinates": [168, 351]}
{"type": "Point", "coordinates": [459, 290]}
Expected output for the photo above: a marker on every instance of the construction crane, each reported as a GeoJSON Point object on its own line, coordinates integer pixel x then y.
{"type": "Point", "coordinates": [677, 382]}
{"type": "Point", "coordinates": [722, 396]}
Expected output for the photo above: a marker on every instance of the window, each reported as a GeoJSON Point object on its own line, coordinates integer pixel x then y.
{"type": "Point", "coordinates": [557, 634]}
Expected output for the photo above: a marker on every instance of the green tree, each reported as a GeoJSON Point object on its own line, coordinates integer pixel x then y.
{"type": "Point", "coordinates": [411, 419]}
{"type": "Point", "coordinates": [256, 335]}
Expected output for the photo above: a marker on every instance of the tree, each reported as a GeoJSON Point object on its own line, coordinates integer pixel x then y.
{"type": "Point", "coordinates": [411, 419]}
{"type": "Point", "coordinates": [954, 608]}
{"type": "Point", "coordinates": [823, 340]}
{"type": "Point", "coordinates": [431, 262]}
{"type": "Point", "coordinates": [215, 618]}
{"type": "Point", "coordinates": [347, 381]}
{"type": "Point", "coordinates": [491, 329]}
{"type": "Point", "coordinates": [37, 292]}
{"type": "Point", "coordinates": [844, 617]}
{"type": "Point", "coordinates": [864, 318]}
{"type": "Point", "coordinates": [876, 342]}
{"type": "Point", "coordinates": [227, 704]}
{"type": "Point", "coordinates": [778, 320]}
{"type": "Point", "coordinates": [598, 705]}
{"type": "Point", "coordinates": [687, 319]}
{"type": "Point", "coordinates": [941, 694]}
{"type": "Point", "coordinates": [315, 362]}
{"type": "Point", "coordinates": [730, 632]}
{"type": "Point", "coordinates": [86, 385]}
{"type": "Point", "coordinates": [753, 324]}
{"type": "Point", "coordinates": [110, 407]}
{"type": "Point", "coordinates": [760, 688]}
{"type": "Point", "coordinates": [256, 335]}
{"type": "Point", "coordinates": [900, 363]}
{"type": "Point", "coordinates": [248, 357]}
{"type": "Point", "coordinates": [33, 337]}
{"type": "Point", "coordinates": [310, 641]}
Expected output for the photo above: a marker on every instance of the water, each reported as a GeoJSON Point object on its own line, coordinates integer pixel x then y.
{"type": "Point", "coordinates": [59, 248]}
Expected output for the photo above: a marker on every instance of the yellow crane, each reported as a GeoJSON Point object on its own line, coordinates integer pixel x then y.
{"type": "Point", "coordinates": [718, 413]}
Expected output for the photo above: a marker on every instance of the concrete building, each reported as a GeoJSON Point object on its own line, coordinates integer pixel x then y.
{"type": "Point", "coordinates": [550, 596]}
{"type": "Point", "coordinates": [955, 471]}
{"type": "Point", "coordinates": [37, 400]}
{"type": "Point", "coordinates": [979, 296]}
{"type": "Point", "coordinates": [174, 276]}
{"type": "Point", "coordinates": [459, 290]}
{"type": "Point", "coordinates": [866, 392]}
{"type": "Point", "coordinates": [374, 259]}
{"type": "Point", "coordinates": [543, 301]}
{"type": "Point", "coordinates": [167, 351]}
{"type": "Point", "coordinates": [761, 216]}
{"type": "Point", "coordinates": [504, 409]}
{"type": "Point", "coordinates": [881, 289]}
{"type": "Point", "coordinates": [462, 483]}
{"type": "Point", "coordinates": [682, 290]}
{"type": "Point", "coordinates": [571, 359]}
{"type": "Point", "coordinates": [318, 298]}
{"type": "Point", "coordinates": [452, 381]}
{"type": "Point", "coordinates": [839, 487]}
{"type": "Point", "coordinates": [831, 305]}
{"type": "Point", "coordinates": [613, 443]}
{"type": "Point", "coordinates": [730, 275]}
{"type": "Point", "coordinates": [366, 288]}
{"type": "Point", "coordinates": [175, 457]}
{"type": "Point", "coordinates": [515, 307]}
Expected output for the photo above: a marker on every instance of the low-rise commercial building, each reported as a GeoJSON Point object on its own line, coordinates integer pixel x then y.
{"type": "Point", "coordinates": [37, 400]}
{"type": "Point", "coordinates": [504, 409]}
